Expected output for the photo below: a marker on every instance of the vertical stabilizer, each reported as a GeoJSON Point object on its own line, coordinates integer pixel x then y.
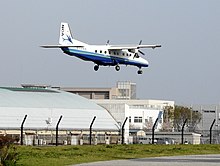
{"type": "Point", "coordinates": [66, 36]}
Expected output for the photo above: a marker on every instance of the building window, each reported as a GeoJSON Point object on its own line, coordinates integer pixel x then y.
{"type": "Point", "coordinates": [137, 119]}
{"type": "Point", "coordinates": [124, 93]}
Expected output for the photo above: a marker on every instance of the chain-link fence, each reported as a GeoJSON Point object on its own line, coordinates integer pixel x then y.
{"type": "Point", "coordinates": [41, 138]}
{"type": "Point", "coordinates": [66, 137]}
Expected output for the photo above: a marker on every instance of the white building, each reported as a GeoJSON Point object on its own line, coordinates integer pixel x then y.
{"type": "Point", "coordinates": [141, 114]}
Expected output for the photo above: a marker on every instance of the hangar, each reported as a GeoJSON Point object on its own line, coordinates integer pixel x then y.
{"type": "Point", "coordinates": [44, 106]}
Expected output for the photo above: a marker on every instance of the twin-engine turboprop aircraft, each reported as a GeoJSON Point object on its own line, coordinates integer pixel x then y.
{"type": "Point", "coordinates": [101, 55]}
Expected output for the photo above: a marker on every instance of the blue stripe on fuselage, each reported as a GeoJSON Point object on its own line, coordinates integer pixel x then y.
{"type": "Point", "coordinates": [100, 59]}
{"type": "Point", "coordinates": [89, 56]}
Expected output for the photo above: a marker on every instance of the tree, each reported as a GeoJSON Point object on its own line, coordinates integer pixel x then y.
{"type": "Point", "coordinates": [181, 114]}
{"type": "Point", "coordinates": [196, 118]}
{"type": "Point", "coordinates": [168, 118]}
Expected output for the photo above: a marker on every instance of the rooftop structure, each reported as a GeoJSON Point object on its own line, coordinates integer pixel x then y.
{"type": "Point", "coordinates": [125, 90]}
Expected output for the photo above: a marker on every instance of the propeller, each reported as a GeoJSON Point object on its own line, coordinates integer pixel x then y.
{"type": "Point", "coordinates": [136, 52]}
{"type": "Point", "coordinates": [136, 55]}
{"type": "Point", "coordinates": [140, 42]}
{"type": "Point", "coordinates": [141, 52]}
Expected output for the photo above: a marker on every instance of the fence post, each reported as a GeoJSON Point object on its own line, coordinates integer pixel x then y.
{"type": "Point", "coordinates": [57, 130]}
{"type": "Point", "coordinates": [153, 130]}
{"type": "Point", "coordinates": [22, 127]}
{"type": "Point", "coordinates": [210, 130]}
{"type": "Point", "coordinates": [183, 130]}
{"type": "Point", "coordinates": [90, 131]}
{"type": "Point", "coordinates": [123, 130]}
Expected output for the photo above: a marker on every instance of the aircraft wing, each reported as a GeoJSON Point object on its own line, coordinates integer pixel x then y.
{"type": "Point", "coordinates": [118, 47]}
{"type": "Point", "coordinates": [59, 46]}
{"type": "Point", "coordinates": [149, 46]}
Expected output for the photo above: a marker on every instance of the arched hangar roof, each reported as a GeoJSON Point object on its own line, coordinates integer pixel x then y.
{"type": "Point", "coordinates": [43, 108]}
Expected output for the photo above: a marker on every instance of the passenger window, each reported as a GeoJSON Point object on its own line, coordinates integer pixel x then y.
{"type": "Point", "coordinates": [96, 51]}
{"type": "Point", "coordinates": [105, 52]}
{"type": "Point", "coordinates": [114, 53]}
{"type": "Point", "coordinates": [123, 54]}
{"type": "Point", "coordinates": [100, 51]}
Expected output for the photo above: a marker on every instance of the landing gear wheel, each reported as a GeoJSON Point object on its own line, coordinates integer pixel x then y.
{"type": "Point", "coordinates": [140, 71]}
{"type": "Point", "coordinates": [96, 67]}
{"type": "Point", "coordinates": [117, 68]}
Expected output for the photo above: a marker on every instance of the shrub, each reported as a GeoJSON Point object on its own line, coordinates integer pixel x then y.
{"type": "Point", "coordinates": [8, 155]}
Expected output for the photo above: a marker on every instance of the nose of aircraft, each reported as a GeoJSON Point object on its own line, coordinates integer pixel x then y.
{"type": "Point", "coordinates": [145, 62]}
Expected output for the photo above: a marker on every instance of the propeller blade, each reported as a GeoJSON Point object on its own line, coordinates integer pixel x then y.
{"type": "Point", "coordinates": [141, 52]}
{"type": "Point", "coordinates": [140, 42]}
{"type": "Point", "coordinates": [136, 55]}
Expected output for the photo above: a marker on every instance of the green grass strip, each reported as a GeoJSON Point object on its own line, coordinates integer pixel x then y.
{"type": "Point", "coordinates": [67, 155]}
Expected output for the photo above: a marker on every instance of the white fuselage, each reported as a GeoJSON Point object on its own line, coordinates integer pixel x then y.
{"type": "Point", "coordinates": [101, 55]}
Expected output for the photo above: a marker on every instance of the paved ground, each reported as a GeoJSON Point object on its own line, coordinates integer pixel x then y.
{"type": "Point", "coordinates": [194, 160]}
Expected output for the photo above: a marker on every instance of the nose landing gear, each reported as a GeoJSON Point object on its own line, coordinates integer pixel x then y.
{"type": "Point", "coordinates": [139, 71]}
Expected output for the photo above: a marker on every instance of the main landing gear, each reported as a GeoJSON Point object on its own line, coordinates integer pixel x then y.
{"type": "Point", "coordinates": [139, 71]}
{"type": "Point", "coordinates": [96, 67]}
{"type": "Point", "coordinates": [117, 67]}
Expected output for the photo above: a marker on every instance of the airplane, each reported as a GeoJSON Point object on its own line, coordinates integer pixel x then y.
{"type": "Point", "coordinates": [101, 55]}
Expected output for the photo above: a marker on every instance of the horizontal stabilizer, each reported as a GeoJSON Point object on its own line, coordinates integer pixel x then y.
{"type": "Point", "coordinates": [59, 46]}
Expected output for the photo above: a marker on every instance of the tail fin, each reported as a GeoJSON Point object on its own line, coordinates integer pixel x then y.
{"type": "Point", "coordinates": [66, 36]}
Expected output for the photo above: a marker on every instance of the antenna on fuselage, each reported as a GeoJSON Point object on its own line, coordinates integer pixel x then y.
{"type": "Point", "coordinates": [107, 43]}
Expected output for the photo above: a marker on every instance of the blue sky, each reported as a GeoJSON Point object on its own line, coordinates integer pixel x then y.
{"type": "Point", "coordinates": [185, 69]}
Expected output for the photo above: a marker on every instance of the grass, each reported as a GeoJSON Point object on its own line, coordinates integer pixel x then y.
{"type": "Point", "coordinates": [67, 155]}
